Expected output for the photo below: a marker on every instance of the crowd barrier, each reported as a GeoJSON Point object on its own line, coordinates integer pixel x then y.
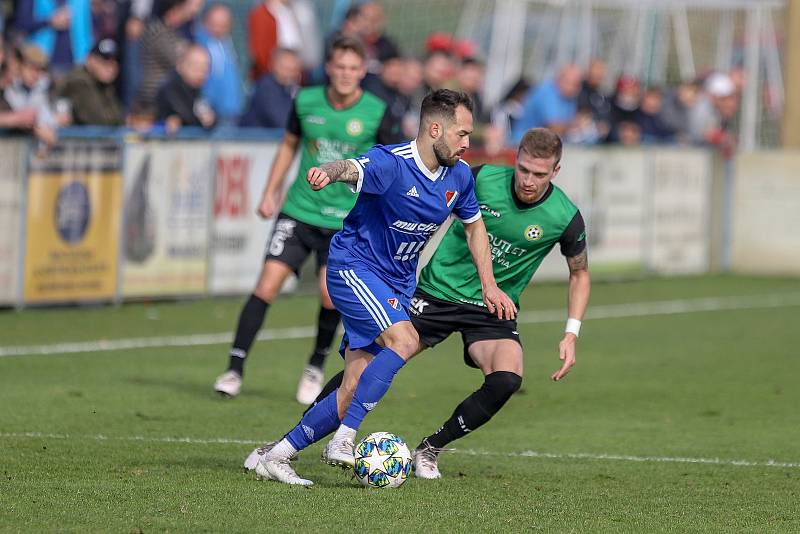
{"type": "Point", "coordinates": [111, 217]}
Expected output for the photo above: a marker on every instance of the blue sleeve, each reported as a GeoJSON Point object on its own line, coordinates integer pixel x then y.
{"type": "Point", "coordinates": [466, 207]}
{"type": "Point", "coordinates": [556, 109]}
{"type": "Point", "coordinates": [377, 169]}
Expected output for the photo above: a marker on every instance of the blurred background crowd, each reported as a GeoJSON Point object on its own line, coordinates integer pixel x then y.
{"type": "Point", "coordinates": [160, 65]}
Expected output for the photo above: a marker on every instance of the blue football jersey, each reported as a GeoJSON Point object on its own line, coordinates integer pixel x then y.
{"type": "Point", "coordinates": [401, 203]}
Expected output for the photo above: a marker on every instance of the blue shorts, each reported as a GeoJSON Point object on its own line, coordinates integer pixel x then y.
{"type": "Point", "coordinates": [367, 303]}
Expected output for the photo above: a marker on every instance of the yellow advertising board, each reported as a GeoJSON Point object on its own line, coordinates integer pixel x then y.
{"type": "Point", "coordinates": [73, 217]}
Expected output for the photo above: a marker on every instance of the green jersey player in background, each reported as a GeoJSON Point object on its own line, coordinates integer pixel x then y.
{"type": "Point", "coordinates": [327, 123]}
{"type": "Point", "coordinates": [526, 215]}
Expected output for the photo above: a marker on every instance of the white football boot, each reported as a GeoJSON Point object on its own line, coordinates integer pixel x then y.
{"type": "Point", "coordinates": [339, 452]}
{"type": "Point", "coordinates": [228, 384]}
{"type": "Point", "coordinates": [310, 385]}
{"type": "Point", "coordinates": [280, 471]}
{"type": "Point", "coordinates": [425, 461]}
{"type": "Point", "coordinates": [258, 453]}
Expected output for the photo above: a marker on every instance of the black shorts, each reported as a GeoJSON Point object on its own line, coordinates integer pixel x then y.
{"type": "Point", "coordinates": [435, 319]}
{"type": "Point", "coordinates": [292, 241]}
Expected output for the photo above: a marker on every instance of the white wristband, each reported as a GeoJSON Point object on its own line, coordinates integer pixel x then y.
{"type": "Point", "coordinates": [573, 326]}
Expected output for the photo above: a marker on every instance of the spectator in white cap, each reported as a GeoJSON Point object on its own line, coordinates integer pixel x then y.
{"type": "Point", "coordinates": [711, 119]}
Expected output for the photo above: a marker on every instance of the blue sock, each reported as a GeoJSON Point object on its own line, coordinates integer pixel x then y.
{"type": "Point", "coordinates": [318, 422]}
{"type": "Point", "coordinates": [372, 386]}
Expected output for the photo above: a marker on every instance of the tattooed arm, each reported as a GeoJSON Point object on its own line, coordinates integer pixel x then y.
{"type": "Point", "coordinates": [335, 171]}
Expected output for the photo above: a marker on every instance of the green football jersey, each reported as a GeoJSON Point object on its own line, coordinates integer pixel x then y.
{"type": "Point", "coordinates": [520, 236]}
{"type": "Point", "coordinates": [328, 134]}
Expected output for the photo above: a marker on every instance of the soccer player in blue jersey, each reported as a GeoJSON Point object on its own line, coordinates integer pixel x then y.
{"type": "Point", "coordinates": [405, 193]}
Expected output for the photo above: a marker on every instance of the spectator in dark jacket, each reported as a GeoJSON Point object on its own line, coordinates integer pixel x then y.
{"type": "Point", "coordinates": [90, 90]}
{"type": "Point", "coordinates": [179, 101]}
{"type": "Point", "coordinates": [594, 98]}
{"type": "Point", "coordinates": [650, 118]}
{"type": "Point", "coordinates": [272, 97]}
{"type": "Point", "coordinates": [378, 45]}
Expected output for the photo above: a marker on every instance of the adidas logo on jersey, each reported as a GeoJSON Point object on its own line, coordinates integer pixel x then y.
{"type": "Point", "coordinates": [413, 192]}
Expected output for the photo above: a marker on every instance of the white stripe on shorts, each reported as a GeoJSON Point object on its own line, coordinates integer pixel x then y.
{"type": "Point", "coordinates": [361, 298]}
{"type": "Point", "coordinates": [372, 296]}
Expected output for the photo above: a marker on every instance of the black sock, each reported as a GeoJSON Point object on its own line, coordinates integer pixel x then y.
{"type": "Point", "coordinates": [250, 320]}
{"type": "Point", "coordinates": [332, 384]}
{"type": "Point", "coordinates": [477, 409]}
{"type": "Point", "coordinates": [327, 323]}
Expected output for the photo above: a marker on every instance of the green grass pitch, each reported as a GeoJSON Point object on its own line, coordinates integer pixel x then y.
{"type": "Point", "coordinates": [645, 435]}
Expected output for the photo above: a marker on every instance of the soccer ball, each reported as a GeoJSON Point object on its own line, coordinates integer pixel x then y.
{"type": "Point", "coordinates": [382, 461]}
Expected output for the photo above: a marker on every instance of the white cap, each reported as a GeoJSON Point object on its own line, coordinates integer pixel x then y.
{"type": "Point", "coordinates": [720, 85]}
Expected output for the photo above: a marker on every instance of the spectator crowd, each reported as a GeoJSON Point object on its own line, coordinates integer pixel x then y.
{"type": "Point", "coordinates": [160, 65]}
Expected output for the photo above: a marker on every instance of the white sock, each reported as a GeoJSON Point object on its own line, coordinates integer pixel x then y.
{"type": "Point", "coordinates": [282, 451]}
{"type": "Point", "coordinates": [345, 432]}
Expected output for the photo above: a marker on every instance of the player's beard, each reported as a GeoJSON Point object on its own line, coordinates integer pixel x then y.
{"type": "Point", "coordinates": [441, 151]}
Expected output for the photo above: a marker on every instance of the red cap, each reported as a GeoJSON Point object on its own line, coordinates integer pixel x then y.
{"type": "Point", "coordinates": [439, 42]}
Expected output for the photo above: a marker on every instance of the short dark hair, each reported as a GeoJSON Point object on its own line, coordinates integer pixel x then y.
{"type": "Point", "coordinates": [161, 7]}
{"type": "Point", "coordinates": [348, 44]}
{"type": "Point", "coordinates": [443, 102]}
{"type": "Point", "coordinates": [541, 143]}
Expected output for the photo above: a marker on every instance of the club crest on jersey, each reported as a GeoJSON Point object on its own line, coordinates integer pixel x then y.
{"type": "Point", "coordinates": [354, 127]}
{"type": "Point", "coordinates": [533, 232]}
{"type": "Point", "coordinates": [394, 303]}
{"type": "Point", "coordinates": [450, 197]}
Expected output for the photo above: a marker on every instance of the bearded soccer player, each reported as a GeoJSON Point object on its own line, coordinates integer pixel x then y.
{"type": "Point", "coordinates": [405, 193]}
{"type": "Point", "coordinates": [326, 123]}
{"type": "Point", "coordinates": [525, 215]}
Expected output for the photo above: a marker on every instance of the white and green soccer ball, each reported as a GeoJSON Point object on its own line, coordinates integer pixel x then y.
{"type": "Point", "coordinates": [382, 461]}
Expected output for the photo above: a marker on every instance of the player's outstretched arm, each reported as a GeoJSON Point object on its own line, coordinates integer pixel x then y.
{"type": "Point", "coordinates": [495, 299]}
{"type": "Point", "coordinates": [577, 299]}
{"type": "Point", "coordinates": [336, 171]}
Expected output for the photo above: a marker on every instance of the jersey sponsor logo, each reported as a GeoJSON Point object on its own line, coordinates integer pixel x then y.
{"type": "Point", "coordinates": [533, 232]}
{"type": "Point", "coordinates": [450, 197]}
{"type": "Point", "coordinates": [418, 306]}
{"type": "Point", "coordinates": [502, 251]}
{"type": "Point", "coordinates": [354, 127]}
{"type": "Point", "coordinates": [394, 303]}
{"type": "Point", "coordinates": [490, 211]}
{"type": "Point", "coordinates": [416, 228]}
{"type": "Point", "coordinates": [315, 119]}
{"type": "Point", "coordinates": [413, 192]}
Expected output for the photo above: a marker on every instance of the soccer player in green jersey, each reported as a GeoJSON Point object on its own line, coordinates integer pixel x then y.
{"type": "Point", "coordinates": [526, 215]}
{"type": "Point", "coordinates": [333, 122]}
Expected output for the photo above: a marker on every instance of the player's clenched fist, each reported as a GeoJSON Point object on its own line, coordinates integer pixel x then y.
{"type": "Point", "coordinates": [317, 178]}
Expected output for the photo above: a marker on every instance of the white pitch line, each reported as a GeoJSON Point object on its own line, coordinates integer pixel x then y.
{"type": "Point", "coordinates": [469, 452]}
{"type": "Point", "coordinates": [609, 311]}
